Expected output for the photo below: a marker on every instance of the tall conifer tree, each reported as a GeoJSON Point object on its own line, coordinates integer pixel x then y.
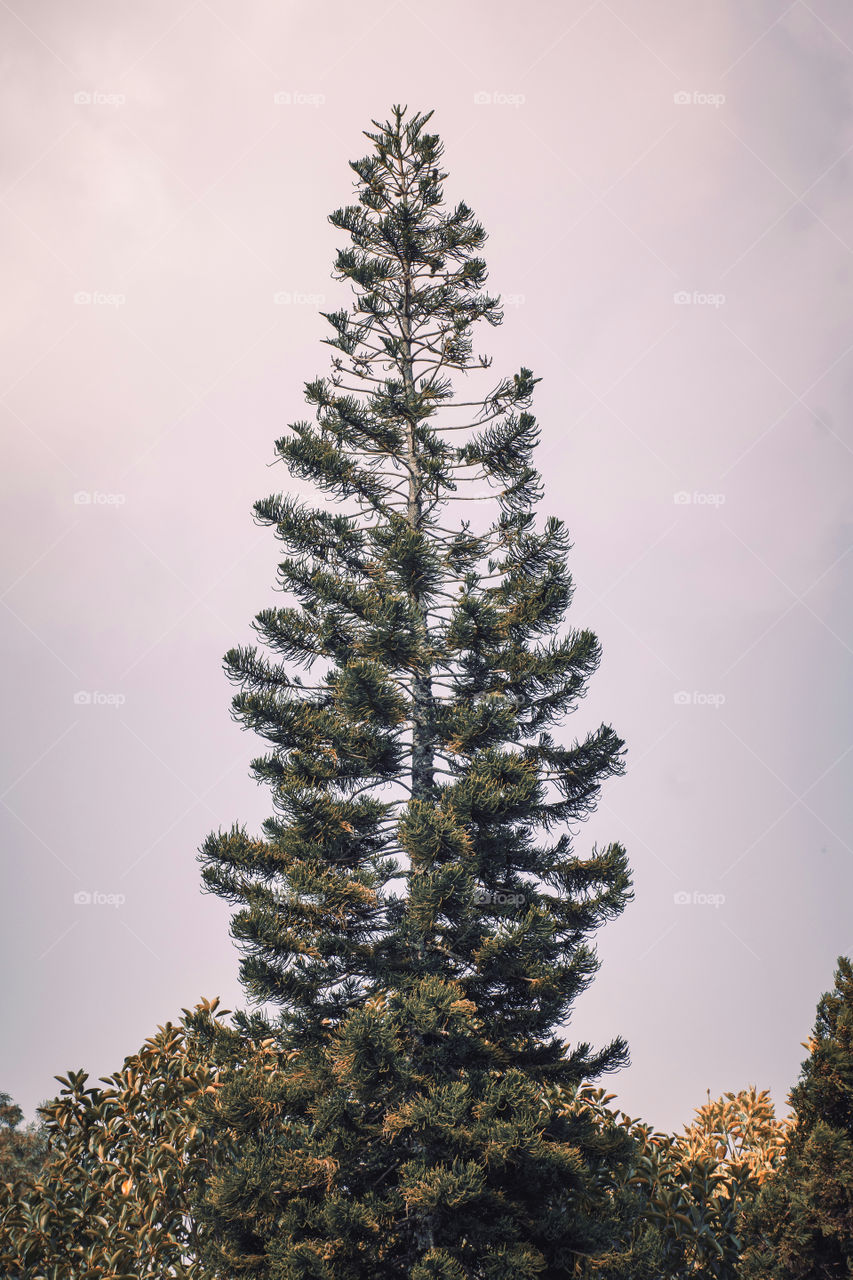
{"type": "Point", "coordinates": [801, 1225]}
{"type": "Point", "coordinates": [414, 909]}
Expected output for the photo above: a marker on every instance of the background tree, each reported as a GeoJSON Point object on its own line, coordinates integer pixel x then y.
{"type": "Point", "coordinates": [680, 1199]}
{"type": "Point", "coordinates": [21, 1150]}
{"type": "Point", "coordinates": [802, 1222]}
{"type": "Point", "coordinates": [414, 908]}
{"type": "Point", "coordinates": [709, 1176]}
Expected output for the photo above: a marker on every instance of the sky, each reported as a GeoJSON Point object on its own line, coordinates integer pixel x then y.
{"type": "Point", "coordinates": [668, 190]}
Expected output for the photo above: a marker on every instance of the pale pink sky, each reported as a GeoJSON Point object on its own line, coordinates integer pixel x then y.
{"type": "Point", "coordinates": [628, 152]}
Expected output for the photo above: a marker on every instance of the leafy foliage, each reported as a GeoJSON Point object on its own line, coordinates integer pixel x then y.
{"type": "Point", "coordinates": [126, 1163]}
{"type": "Point", "coordinates": [111, 1200]}
{"type": "Point", "coordinates": [681, 1197]}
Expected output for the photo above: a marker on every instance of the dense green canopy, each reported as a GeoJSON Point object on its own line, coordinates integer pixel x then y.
{"type": "Point", "coordinates": [801, 1225]}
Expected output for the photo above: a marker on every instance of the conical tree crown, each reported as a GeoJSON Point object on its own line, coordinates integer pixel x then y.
{"type": "Point", "coordinates": [414, 778]}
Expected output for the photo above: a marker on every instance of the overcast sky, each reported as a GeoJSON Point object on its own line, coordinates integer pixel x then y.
{"type": "Point", "coordinates": [667, 190]}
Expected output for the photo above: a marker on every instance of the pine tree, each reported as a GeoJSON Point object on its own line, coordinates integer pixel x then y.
{"type": "Point", "coordinates": [414, 910]}
{"type": "Point", "coordinates": [801, 1226]}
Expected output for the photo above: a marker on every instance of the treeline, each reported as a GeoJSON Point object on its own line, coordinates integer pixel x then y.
{"type": "Point", "coordinates": [111, 1183]}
